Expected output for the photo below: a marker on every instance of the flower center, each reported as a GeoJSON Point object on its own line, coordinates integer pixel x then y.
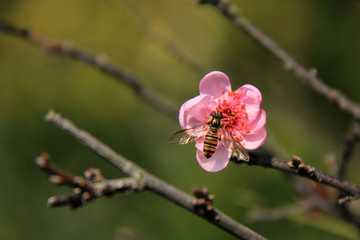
{"type": "Point", "coordinates": [235, 117]}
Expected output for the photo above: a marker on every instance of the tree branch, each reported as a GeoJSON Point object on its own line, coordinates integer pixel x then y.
{"type": "Point", "coordinates": [297, 167]}
{"type": "Point", "coordinates": [97, 61]}
{"type": "Point", "coordinates": [229, 10]}
{"type": "Point", "coordinates": [350, 141]}
{"type": "Point", "coordinates": [151, 182]}
{"type": "Point", "coordinates": [351, 138]}
{"type": "Point", "coordinates": [85, 190]}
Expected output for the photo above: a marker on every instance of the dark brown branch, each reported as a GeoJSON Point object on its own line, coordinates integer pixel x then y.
{"type": "Point", "coordinates": [348, 191]}
{"type": "Point", "coordinates": [313, 196]}
{"type": "Point", "coordinates": [229, 10]}
{"type": "Point", "coordinates": [351, 138]}
{"type": "Point", "coordinates": [100, 62]}
{"type": "Point", "coordinates": [297, 167]}
{"type": "Point", "coordinates": [149, 181]}
{"type": "Point", "coordinates": [85, 190]}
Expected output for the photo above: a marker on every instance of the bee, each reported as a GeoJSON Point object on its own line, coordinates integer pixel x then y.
{"type": "Point", "coordinates": [212, 129]}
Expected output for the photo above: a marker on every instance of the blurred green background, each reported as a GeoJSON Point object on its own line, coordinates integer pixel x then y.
{"type": "Point", "coordinates": [169, 46]}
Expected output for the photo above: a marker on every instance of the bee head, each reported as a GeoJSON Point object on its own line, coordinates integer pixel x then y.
{"type": "Point", "coordinates": [215, 119]}
{"type": "Point", "coordinates": [216, 114]}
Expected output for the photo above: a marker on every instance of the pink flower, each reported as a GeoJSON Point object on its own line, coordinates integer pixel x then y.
{"type": "Point", "coordinates": [242, 116]}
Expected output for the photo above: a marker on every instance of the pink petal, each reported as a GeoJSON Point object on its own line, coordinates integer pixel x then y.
{"type": "Point", "coordinates": [214, 83]}
{"type": "Point", "coordinates": [252, 100]}
{"type": "Point", "coordinates": [254, 141]}
{"type": "Point", "coordinates": [194, 111]}
{"type": "Point", "coordinates": [217, 162]}
{"type": "Point", "coordinates": [258, 123]}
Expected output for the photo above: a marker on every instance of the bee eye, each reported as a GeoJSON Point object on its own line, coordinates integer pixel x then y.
{"type": "Point", "coordinates": [213, 114]}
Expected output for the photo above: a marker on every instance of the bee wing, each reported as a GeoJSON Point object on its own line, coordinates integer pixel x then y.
{"type": "Point", "coordinates": [233, 145]}
{"type": "Point", "coordinates": [226, 139]}
{"type": "Point", "coordinates": [189, 135]}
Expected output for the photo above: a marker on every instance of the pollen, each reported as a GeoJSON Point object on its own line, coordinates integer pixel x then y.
{"type": "Point", "coordinates": [239, 138]}
{"type": "Point", "coordinates": [234, 114]}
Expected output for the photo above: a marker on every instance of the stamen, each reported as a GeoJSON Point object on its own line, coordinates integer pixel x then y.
{"type": "Point", "coordinates": [234, 115]}
{"type": "Point", "coordinates": [239, 138]}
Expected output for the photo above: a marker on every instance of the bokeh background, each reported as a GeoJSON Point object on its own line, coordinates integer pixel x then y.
{"type": "Point", "coordinates": [169, 46]}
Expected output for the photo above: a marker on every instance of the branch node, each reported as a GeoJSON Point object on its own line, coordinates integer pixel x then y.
{"type": "Point", "coordinates": [204, 203]}
{"type": "Point", "coordinates": [55, 179]}
{"type": "Point", "coordinates": [288, 66]}
{"type": "Point", "coordinates": [306, 170]}
{"type": "Point", "coordinates": [42, 160]}
{"type": "Point", "coordinates": [86, 197]}
{"type": "Point", "coordinates": [77, 190]}
{"type": "Point", "coordinates": [51, 114]}
{"type": "Point", "coordinates": [94, 174]}
{"type": "Point", "coordinates": [56, 201]}
{"type": "Point", "coordinates": [313, 72]}
{"type": "Point", "coordinates": [85, 190]}
{"type": "Point", "coordinates": [79, 181]}
{"type": "Point", "coordinates": [139, 175]}
{"type": "Point", "coordinates": [296, 161]}
{"type": "Point", "coordinates": [347, 198]}
{"type": "Point", "coordinates": [101, 59]}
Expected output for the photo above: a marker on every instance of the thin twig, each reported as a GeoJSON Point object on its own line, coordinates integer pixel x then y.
{"type": "Point", "coordinates": [344, 212]}
{"type": "Point", "coordinates": [85, 190]}
{"type": "Point", "coordinates": [296, 166]}
{"type": "Point", "coordinates": [98, 61]}
{"type": "Point", "coordinates": [350, 141]}
{"type": "Point", "coordinates": [229, 10]}
{"type": "Point", "coordinates": [149, 181]}
{"type": "Point", "coordinates": [351, 138]}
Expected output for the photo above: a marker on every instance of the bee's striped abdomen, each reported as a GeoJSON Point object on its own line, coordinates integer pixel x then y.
{"type": "Point", "coordinates": [210, 142]}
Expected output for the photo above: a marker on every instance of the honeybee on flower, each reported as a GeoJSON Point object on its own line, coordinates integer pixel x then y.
{"type": "Point", "coordinates": [222, 122]}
